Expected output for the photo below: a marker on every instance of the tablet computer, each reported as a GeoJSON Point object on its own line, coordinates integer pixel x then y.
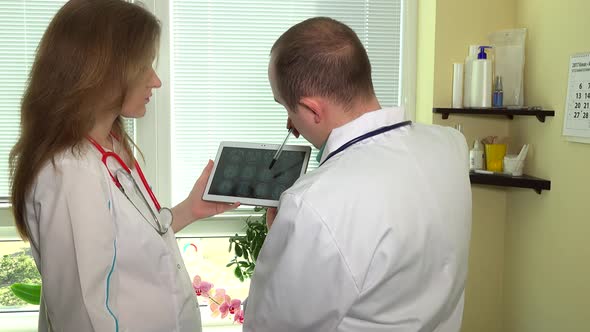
{"type": "Point", "coordinates": [241, 173]}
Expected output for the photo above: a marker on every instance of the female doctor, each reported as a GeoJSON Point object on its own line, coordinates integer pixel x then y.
{"type": "Point", "coordinates": [104, 246]}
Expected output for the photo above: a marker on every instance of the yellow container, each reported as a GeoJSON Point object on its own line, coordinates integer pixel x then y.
{"type": "Point", "coordinates": [495, 157]}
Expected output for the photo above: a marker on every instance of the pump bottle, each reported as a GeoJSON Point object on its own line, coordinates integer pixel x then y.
{"type": "Point", "coordinates": [481, 80]}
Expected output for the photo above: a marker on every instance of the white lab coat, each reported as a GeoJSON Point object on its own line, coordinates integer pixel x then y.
{"type": "Point", "coordinates": [376, 239]}
{"type": "Point", "coordinates": [103, 267]}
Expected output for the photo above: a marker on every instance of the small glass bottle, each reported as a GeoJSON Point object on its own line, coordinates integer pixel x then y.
{"type": "Point", "coordinates": [498, 95]}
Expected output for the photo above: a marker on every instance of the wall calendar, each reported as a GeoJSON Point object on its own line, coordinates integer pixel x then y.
{"type": "Point", "coordinates": [576, 122]}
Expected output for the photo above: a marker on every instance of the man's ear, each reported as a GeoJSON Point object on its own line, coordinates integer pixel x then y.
{"type": "Point", "coordinates": [315, 106]}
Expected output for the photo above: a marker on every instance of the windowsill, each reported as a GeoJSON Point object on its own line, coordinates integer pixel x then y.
{"type": "Point", "coordinates": [227, 224]}
{"type": "Point", "coordinates": [19, 321]}
{"type": "Point", "coordinates": [28, 321]}
{"type": "Point", "coordinates": [6, 221]}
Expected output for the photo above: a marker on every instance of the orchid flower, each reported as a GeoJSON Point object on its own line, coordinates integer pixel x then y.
{"type": "Point", "coordinates": [214, 302]}
{"type": "Point", "coordinates": [220, 303]}
{"type": "Point", "coordinates": [234, 306]}
{"type": "Point", "coordinates": [202, 288]}
{"type": "Point", "coordinates": [239, 316]}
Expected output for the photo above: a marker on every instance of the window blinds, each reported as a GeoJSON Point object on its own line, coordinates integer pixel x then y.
{"type": "Point", "coordinates": [219, 55]}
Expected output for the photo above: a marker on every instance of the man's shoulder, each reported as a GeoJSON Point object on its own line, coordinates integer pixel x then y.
{"type": "Point", "coordinates": [307, 182]}
{"type": "Point", "coordinates": [440, 136]}
{"type": "Point", "coordinates": [438, 129]}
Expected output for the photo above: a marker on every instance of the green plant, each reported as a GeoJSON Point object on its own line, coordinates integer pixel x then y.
{"type": "Point", "coordinates": [14, 269]}
{"type": "Point", "coordinates": [30, 293]}
{"type": "Point", "coordinates": [246, 247]}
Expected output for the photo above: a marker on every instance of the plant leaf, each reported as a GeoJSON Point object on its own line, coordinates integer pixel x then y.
{"type": "Point", "coordinates": [30, 293]}
{"type": "Point", "coordinates": [238, 273]}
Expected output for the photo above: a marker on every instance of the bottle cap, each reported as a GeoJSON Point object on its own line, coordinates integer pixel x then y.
{"type": "Point", "coordinates": [482, 52]}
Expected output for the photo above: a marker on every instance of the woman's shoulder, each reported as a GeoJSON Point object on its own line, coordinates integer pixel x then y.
{"type": "Point", "coordinates": [71, 160]}
{"type": "Point", "coordinates": [65, 172]}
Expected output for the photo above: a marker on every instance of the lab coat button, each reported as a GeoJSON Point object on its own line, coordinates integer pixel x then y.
{"type": "Point", "coordinates": [178, 266]}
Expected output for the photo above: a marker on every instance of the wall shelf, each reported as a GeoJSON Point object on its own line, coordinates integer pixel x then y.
{"type": "Point", "coordinates": [502, 111]}
{"type": "Point", "coordinates": [503, 180]}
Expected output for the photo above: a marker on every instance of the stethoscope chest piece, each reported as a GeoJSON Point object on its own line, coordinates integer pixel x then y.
{"type": "Point", "coordinates": [121, 175]}
{"type": "Point", "coordinates": [165, 218]}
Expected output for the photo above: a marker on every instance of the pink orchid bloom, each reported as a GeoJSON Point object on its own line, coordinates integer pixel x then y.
{"type": "Point", "coordinates": [234, 306]}
{"type": "Point", "coordinates": [220, 303]}
{"type": "Point", "coordinates": [201, 288]}
{"type": "Point", "coordinates": [239, 316]}
{"type": "Point", "coordinates": [216, 301]}
{"type": "Point", "coordinates": [224, 309]}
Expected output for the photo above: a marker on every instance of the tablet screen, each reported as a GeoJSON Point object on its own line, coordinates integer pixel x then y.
{"type": "Point", "coordinates": [244, 172]}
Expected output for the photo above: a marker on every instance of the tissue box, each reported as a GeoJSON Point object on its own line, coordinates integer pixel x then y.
{"type": "Point", "coordinates": [512, 165]}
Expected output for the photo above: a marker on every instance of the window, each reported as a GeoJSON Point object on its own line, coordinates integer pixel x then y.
{"type": "Point", "coordinates": [203, 256]}
{"type": "Point", "coordinates": [22, 24]}
{"type": "Point", "coordinates": [16, 265]}
{"type": "Point", "coordinates": [213, 62]}
{"type": "Point", "coordinates": [208, 257]}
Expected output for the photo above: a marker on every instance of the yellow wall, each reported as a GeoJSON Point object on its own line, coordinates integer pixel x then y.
{"type": "Point", "coordinates": [457, 24]}
{"type": "Point", "coordinates": [530, 254]}
{"type": "Point", "coordinates": [547, 263]}
{"type": "Point", "coordinates": [425, 60]}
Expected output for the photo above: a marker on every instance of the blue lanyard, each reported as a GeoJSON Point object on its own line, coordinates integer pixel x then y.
{"type": "Point", "coordinates": [367, 135]}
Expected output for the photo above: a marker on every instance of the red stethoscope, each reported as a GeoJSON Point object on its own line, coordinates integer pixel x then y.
{"type": "Point", "coordinates": [161, 222]}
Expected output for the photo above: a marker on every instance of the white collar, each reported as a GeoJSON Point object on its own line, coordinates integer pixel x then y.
{"type": "Point", "coordinates": [361, 125]}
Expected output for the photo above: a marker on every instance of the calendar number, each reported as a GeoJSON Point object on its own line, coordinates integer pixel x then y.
{"type": "Point", "coordinates": [585, 115]}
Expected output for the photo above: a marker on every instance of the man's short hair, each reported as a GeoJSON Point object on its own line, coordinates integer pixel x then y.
{"type": "Point", "coordinates": [321, 57]}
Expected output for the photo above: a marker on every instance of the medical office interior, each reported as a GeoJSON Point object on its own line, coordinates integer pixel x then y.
{"type": "Point", "coordinates": [529, 256]}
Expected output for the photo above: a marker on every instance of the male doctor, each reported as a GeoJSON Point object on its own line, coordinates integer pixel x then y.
{"type": "Point", "coordinates": [376, 238]}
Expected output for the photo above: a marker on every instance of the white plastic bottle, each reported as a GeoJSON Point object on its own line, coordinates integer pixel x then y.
{"type": "Point", "coordinates": [468, 69]}
{"type": "Point", "coordinates": [481, 80]}
{"type": "Point", "coordinates": [476, 157]}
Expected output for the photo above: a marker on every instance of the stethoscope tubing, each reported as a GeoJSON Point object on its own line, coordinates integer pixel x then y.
{"type": "Point", "coordinates": [127, 172]}
{"type": "Point", "coordinates": [365, 136]}
{"type": "Point", "coordinates": [106, 155]}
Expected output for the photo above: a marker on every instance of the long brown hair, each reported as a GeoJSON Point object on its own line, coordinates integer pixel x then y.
{"type": "Point", "coordinates": [91, 52]}
{"type": "Point", "coordinates": [321, 57]}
